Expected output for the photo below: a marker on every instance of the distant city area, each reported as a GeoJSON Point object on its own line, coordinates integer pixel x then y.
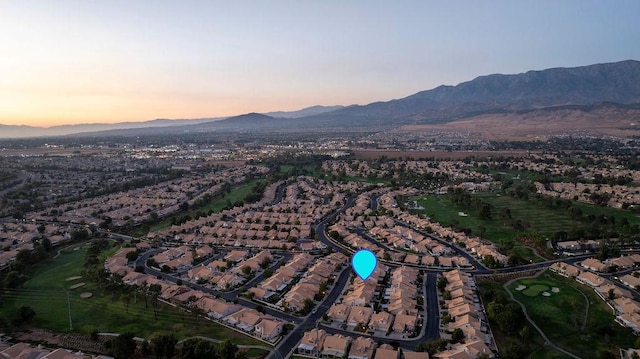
{"type": "Point", "coordinates": [246, 241]}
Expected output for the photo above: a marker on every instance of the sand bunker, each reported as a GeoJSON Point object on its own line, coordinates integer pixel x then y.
{"type": "Point", "coordinates": [78, 285]}
{"type": "Point", "coordinates": [521, 287]}
{"type": "Point", "coordinates": [86, 295]}
{"type": "Point", "coordinates": [69, 279]}
{"type": "Point", "coordinates": [555, 290]}
{"type": "Point", "coordinates": [462, 214]}
{"type": "Point", "coordinates": [546, 294]}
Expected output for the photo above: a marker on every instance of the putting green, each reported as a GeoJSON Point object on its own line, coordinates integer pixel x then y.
{"type": "Point", "coordinates": [534, 290]}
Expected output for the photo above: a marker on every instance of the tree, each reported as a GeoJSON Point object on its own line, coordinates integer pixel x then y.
{"type": "Point", "coordinates": [155, 290]}
{"type": "Point", "coordinates": [46, 244]}
{"type": "Point", "coordinates": [485, 211]}
{"type": "Point", "coordinates": [246, 270]}
{"type": "Point", "coordinates": [307, 306]}
{"type": "Point", "coordinates": [442, 283]}
{"type": "Point", "coordinates": [228, 350]}
{"type": "Point", "coordinates": [489, 261]}
{"type": "Point", "coordinates": [198, 349]}
{"type": "Point", "coordinates": [24, 314]}
{"type": "Point", "coordinates": [457, 336]}
{"type": "Point", "coordinates": [14, 279]}
{"type": "Point", "coordinates": [164, 345]}
{"type": "Point", "coordinates": [481, 230]}
{"type": "Point", "coordinates": [132, 256]}
{"type": "Point", "coordinates": [265, 263]}
{"type": "Point", "coordinates": [123, 346]}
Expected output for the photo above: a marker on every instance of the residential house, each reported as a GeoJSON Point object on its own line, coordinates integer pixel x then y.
{"type": "Point", "coordinates": [335, 346]}
{"type": "Point", "coordinates": [359, 315]}
{"type": "Point", "coordinates": [312, 342]}
{"type": "Point", "coordinates": [386, 351]}
{"type": "Point", "coordinates": [362, 348]}
{"type": "Point", "coordinates": [381, 322]}
{"type": "Point", "coordinates": [268, 329]}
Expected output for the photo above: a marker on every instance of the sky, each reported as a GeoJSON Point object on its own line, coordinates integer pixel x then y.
{"type": "Point", "coordinates": [85, 61]}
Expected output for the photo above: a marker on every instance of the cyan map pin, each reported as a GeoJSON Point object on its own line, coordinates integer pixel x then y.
{"type": "Point", "coordinates": [364, 263]}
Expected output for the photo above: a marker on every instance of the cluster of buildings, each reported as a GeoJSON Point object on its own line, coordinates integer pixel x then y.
{"type": "Point", "coordinates": [309, 285]}
{"type": "Point", "coordinates": [377, 307]}
{"type": "Point", "coordinates": [283, 225]}
{"type": "Point", "coordinates": [136, 205]}
{"type": "Point", "coordinates": [317, 342]}
{"type": "Point", "coordinates": [247, 320]}
{"type": "Point", "coordinates": [618, 195]}
{"type": "Point", "coordinates": [466, 314]}
{"type": "Point", "coordinates": [284, 276]}
{"type": "Point", "coordinates": [15, 237]}
{"type": "Point", "coordinates": [25, 350]}
{"type": "Point", "coordinates": [401, 243]}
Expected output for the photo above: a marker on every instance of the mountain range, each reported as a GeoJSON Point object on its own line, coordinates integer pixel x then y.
{"type": "Point", "coordinates": [556, 89]}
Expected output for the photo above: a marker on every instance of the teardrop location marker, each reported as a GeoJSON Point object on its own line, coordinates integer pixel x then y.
{"type": "Point", "coordinates": [364, 263]}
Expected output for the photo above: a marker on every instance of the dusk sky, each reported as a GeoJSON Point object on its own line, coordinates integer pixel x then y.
{"type": "Point", "coordinates": [65, 62]}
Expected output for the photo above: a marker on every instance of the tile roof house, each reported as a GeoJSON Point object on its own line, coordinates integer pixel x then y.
{"type": "Point", "coordinates": [414, 355]}
{"type": "Point", "coordinates": [590, 279]}
{"type": "Point", "coordinates": [386, 351]}
{"type": "Point", "coordinates": [362, 348]}
{"type": "Point", "coordinates": [245, 319]}
{"type": "Point", "coordinates": [359, 314]}
{"type": "Point", "coordinates": [564, 269]}
{"type": "Point", "coordinates": [312, 342]}
{"type": "Point", "coordinates": [594, 265]}
{"type": "Point", "coordinates": [335, 346]}
{"type": "Point", "coordinates": [630, 281]}
{"type": "Point", "coordinates": [338, 312]}
{"type": "Point", "coordinates": [381, 321]}
{"type": "Point", "coordinates": [404, 323]}
{"type": "Point", "coordinates": [268, 329]}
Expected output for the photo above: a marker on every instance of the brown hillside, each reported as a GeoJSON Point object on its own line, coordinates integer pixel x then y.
{"type": "Point", "coordinates": [540, 124]}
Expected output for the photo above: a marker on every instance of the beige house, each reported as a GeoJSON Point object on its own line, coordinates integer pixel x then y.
{"type": "Point", "coordinates": [335, 346]}
{"type": "Point", "coordinates": [362, 348]}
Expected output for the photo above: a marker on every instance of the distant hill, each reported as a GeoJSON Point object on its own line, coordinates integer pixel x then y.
{"type": "Point", "coordinates": [605, 118]}
{"type": "Point", "coordinates": [7, 131]}
{"type": "Point", "coordinates": [617, 83]}
{"type": "Point", "coordinates": [309, 111]}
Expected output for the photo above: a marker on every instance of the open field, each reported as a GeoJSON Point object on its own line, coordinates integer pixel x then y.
{"type": "Point", "coordinates": [46, 292]}
{"type": "Point", "coordinates": [543, 123]}
{"type": "Point", "coordinates": [442, 210]}
{"type": "Point", "coordinates": [562, 314]}
{"type": "Point", "coordinates": [545, 221]}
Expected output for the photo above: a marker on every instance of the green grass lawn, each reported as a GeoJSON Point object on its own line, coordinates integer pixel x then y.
{"type": "Point", "coordinates": [548, 353]}
{"type": "Point", "coordinates": [542, 220]}
{"type": "Point", "coordinates": [442, 210]}
{"type": "Point", "coordinates": [534, 290]}
{"type": "Point", "coordinates": [561, 315]}
{"type": "Point", "coordinates": [46, 292]}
